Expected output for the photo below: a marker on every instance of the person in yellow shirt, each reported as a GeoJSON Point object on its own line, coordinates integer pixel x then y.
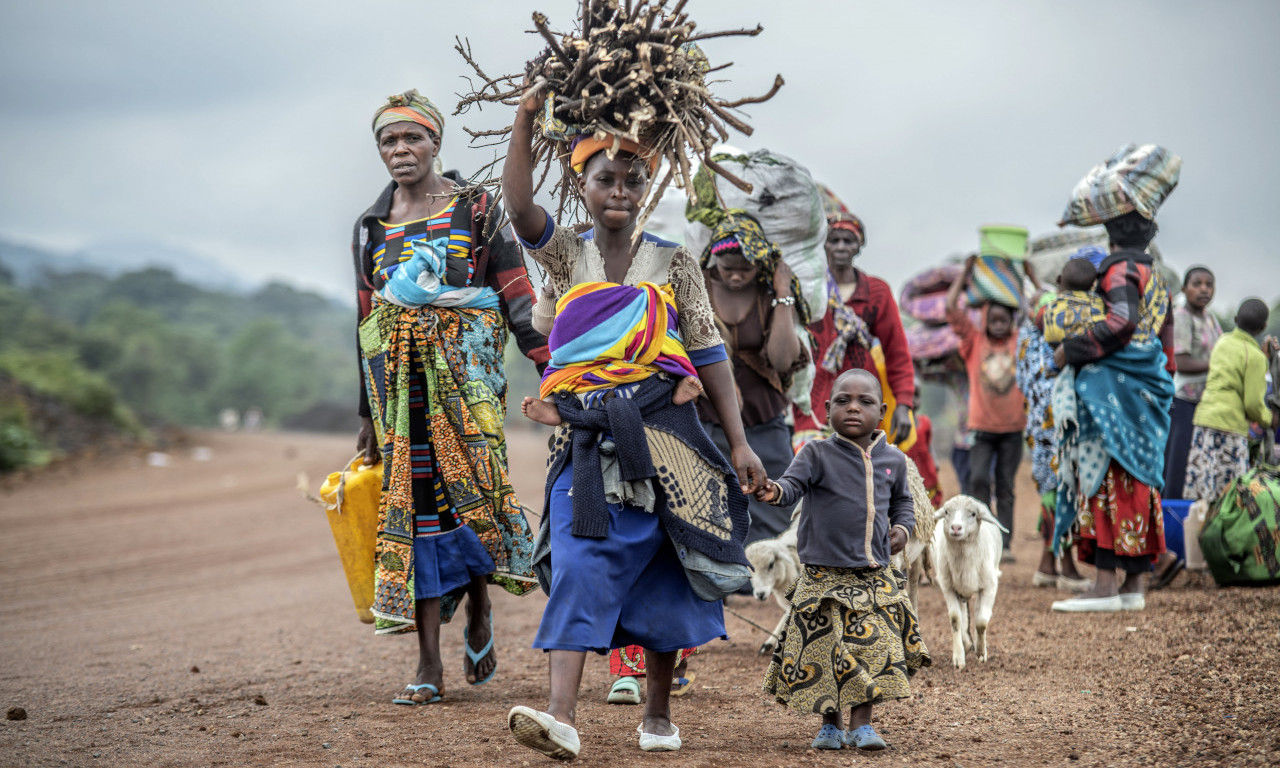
{"type": "Point", "coordinates": [1234, 397]}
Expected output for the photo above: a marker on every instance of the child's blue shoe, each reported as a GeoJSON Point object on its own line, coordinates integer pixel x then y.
{"type": "Point", "coordinates": [864, 737]}
{"type": "Point", "coordinates": [828, 738]}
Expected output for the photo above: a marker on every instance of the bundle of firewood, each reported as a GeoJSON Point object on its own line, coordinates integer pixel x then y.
{"type": "Point", "coordinates": [632, 70]}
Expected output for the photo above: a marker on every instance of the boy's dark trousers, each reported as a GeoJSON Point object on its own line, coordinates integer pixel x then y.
{"type": "Point", "coordinates": [1006, 449]}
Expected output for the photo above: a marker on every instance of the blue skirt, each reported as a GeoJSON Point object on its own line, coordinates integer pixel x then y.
{"type": "Point", "coordinates": [447, 562]}
{"type": "Point", "coordinates": [626, 589]}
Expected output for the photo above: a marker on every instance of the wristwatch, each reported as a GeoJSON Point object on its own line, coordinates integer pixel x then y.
{"type": "Point", "coordinates": [788, 301]}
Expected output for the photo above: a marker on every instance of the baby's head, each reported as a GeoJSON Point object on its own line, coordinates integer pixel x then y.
{"type": "Point", "coordinates": [1252, 316]}
{"type": "Point", "coordinates": [856, 406]}
{"type": "Point", "coordinates": [1078, 275]}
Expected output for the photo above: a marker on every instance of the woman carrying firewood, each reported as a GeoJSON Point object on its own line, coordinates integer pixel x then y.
{"type": "Point", "coordinates": [624, 572]}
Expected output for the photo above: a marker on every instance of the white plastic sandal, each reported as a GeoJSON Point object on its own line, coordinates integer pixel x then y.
{"type": "Point", "coordinates": [543, 733]}
{"type": "Point", "coordinates": [652, 742]}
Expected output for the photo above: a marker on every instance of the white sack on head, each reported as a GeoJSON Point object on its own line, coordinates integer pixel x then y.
{"type": "Point", "coordinates": [787, 203]}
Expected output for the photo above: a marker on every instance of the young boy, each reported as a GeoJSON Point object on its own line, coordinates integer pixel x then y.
{"type": "Point", "coordinates": [857, 513]}
{"type": "Point", "coordinates": [1077, 306]}
{"type": "Point", "coordinates": [996, 408]}
{"type": "Point", "coordinates": [1234, 396]}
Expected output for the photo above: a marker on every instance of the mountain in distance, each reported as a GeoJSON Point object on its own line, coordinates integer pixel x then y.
{"type": "Point", "coordinates": [29, 264]}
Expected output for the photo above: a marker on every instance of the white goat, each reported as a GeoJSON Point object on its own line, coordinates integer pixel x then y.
{"type": "Point", "coordinates": [966, 558]}
{"type": "Point", "coordinates": [777, 566]}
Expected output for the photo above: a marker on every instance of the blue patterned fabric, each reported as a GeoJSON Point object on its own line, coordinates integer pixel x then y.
{"type": "Point", "coordinates": [1035, 362]}
{"type": "Point", "coordinates": [1116, 408]}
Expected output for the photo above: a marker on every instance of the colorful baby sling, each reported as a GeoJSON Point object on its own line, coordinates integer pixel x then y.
{"type": "Point", "coordinates": [607, 334]}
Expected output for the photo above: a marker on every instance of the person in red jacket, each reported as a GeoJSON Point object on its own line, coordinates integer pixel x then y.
{"type": "Point", "coordinates": [922, 453]}
{"type": "Point", "coordinates": [861, 310]}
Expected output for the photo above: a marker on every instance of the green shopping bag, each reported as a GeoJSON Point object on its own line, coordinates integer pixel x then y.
{"type": "Point", "coordinates": [1240, 538]}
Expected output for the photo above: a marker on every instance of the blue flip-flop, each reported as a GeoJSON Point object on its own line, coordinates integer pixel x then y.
{"type": "Point", "coordinates": [435, 695]}
{"type": "Point", "coordinates": [829, 737]}
{"type": "Point", "coordinates": [476, 656]}
{"type": "Point", "coordinates": [864, 737]}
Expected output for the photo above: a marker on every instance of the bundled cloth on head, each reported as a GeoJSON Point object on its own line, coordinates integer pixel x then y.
{"type": "Point", "coordinates": [831, 202]}
{"type": "Point", "coordinates": [583, 147]}
{"type": "Point", "coordinates": [419, 282]}
{"type": "Point", "coordinates": [739, 232]}
{"type": "Point", "coordinates": [410, 107]}
{"type": "Point", "coordinates": [607, 334]}
{"type": "Point", "coordinates": [1133, 179]}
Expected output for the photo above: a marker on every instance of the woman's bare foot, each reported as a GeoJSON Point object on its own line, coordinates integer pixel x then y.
{"type": "Point", "coordinates": [687, 389]}
{"type": "Point", "coordinates": [541, 411]}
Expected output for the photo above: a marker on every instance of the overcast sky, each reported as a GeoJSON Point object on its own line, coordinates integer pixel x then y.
{"type": "Point", "coordinates": [240, 130]}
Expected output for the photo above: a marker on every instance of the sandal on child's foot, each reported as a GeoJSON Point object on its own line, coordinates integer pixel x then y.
{"type": "Point", "coordinates": [864, 737]}
{"type": "Point", "coordinates": [828, 738]}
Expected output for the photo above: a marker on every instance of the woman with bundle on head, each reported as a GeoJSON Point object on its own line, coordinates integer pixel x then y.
{"type": "Point", "coordinates": [651, 495]}
{"type": "Point", "coordinates": [1112, 399]}
{"type": "Point", "coordinates": [438, 286]}
{"type": "Point", "coordinates": [861, 329]}
{"type": "Point", "coordinates": [754, 294]}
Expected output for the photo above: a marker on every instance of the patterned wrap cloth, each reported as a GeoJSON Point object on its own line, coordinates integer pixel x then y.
{"type": "Point", "coordinates": [1035, 362]}
{"type": "Point", "coordinates": [463, 389]}
{"type": "Point", "coordinates": [410, 107]}
{"type": "Point", "coordinates": [739, 232]}
{"type": "Point", "coordinates": [850, 638]}
{"type": "Point", "coordinates": [1133, 179]}
{"type": "Point", "coordinates": [606, 334]}
{"type": "Point", "coordinates": [1072, 313]}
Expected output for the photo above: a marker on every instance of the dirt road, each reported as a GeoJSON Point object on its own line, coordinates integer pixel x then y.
{"type": "Point", "coordinates": [196, 614]}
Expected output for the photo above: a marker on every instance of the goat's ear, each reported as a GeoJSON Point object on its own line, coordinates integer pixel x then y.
{"type": "Point", "coordinates": [941, 513]}
{"type": "Point", "coordinates": [990, 518]}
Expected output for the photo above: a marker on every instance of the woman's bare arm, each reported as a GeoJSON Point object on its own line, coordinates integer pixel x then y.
{"type": "Point", "coordinates": [528, 218]}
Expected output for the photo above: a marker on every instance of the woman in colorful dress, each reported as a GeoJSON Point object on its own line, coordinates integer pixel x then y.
{"type": "Point", "coordinates": [861, 329]}
{"type": "Point", "coordinates": [1112, 402]}
{"type": "Point", "coordinates": [438, 286]}
{"type": "Point", "coordinates": [651, 494]}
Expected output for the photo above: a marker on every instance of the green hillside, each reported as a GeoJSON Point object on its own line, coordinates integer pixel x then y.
{"type": "Point", "coordinates": [145, 348]}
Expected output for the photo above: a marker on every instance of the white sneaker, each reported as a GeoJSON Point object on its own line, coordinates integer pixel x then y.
{"type": "Point", "coordinates": [1088, 605]}
{"type": "Point", "coordinates": [1133, 601]}
{"type": "Point", "coordinates": [652, 742]}
{"type": "Point", "coordinates": [541, 732]}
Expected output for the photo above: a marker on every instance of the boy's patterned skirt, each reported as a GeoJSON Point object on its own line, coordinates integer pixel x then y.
{"type": "Point", "coordinates": [851, 638]}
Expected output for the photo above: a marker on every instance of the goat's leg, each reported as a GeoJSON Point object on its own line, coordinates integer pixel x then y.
{"type": "Point", "coordinates": [913, 584]}
{"type": "Point", "coordinates": [953, 612]}
{"type": "Point", "coordinates": [771, 643]}
{"type": "Point", "coordinates": [981, 619]}
{"type": "Point", "coordinates": [966, 627]}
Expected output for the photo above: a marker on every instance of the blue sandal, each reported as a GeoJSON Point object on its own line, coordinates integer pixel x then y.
{"type": "Point", "coordinates": [476, 656]}
{"type": "Point", "coordinates": [403, 699]}
{"type": "Point", "coordinates": [864, 737]}
{"type": "Point", "coordinates": [829, 737]}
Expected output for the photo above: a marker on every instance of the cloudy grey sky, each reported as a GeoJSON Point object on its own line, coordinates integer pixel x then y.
{"type": "Point", "coordinates": [240, 130]}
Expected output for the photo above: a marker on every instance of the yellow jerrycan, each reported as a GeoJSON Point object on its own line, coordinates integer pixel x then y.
{"type": "Point", "coordinates": [350, 499]}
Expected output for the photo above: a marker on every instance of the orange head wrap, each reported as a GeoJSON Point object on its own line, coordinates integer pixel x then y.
{"type": "Point", "coordinates": [586, 146]}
